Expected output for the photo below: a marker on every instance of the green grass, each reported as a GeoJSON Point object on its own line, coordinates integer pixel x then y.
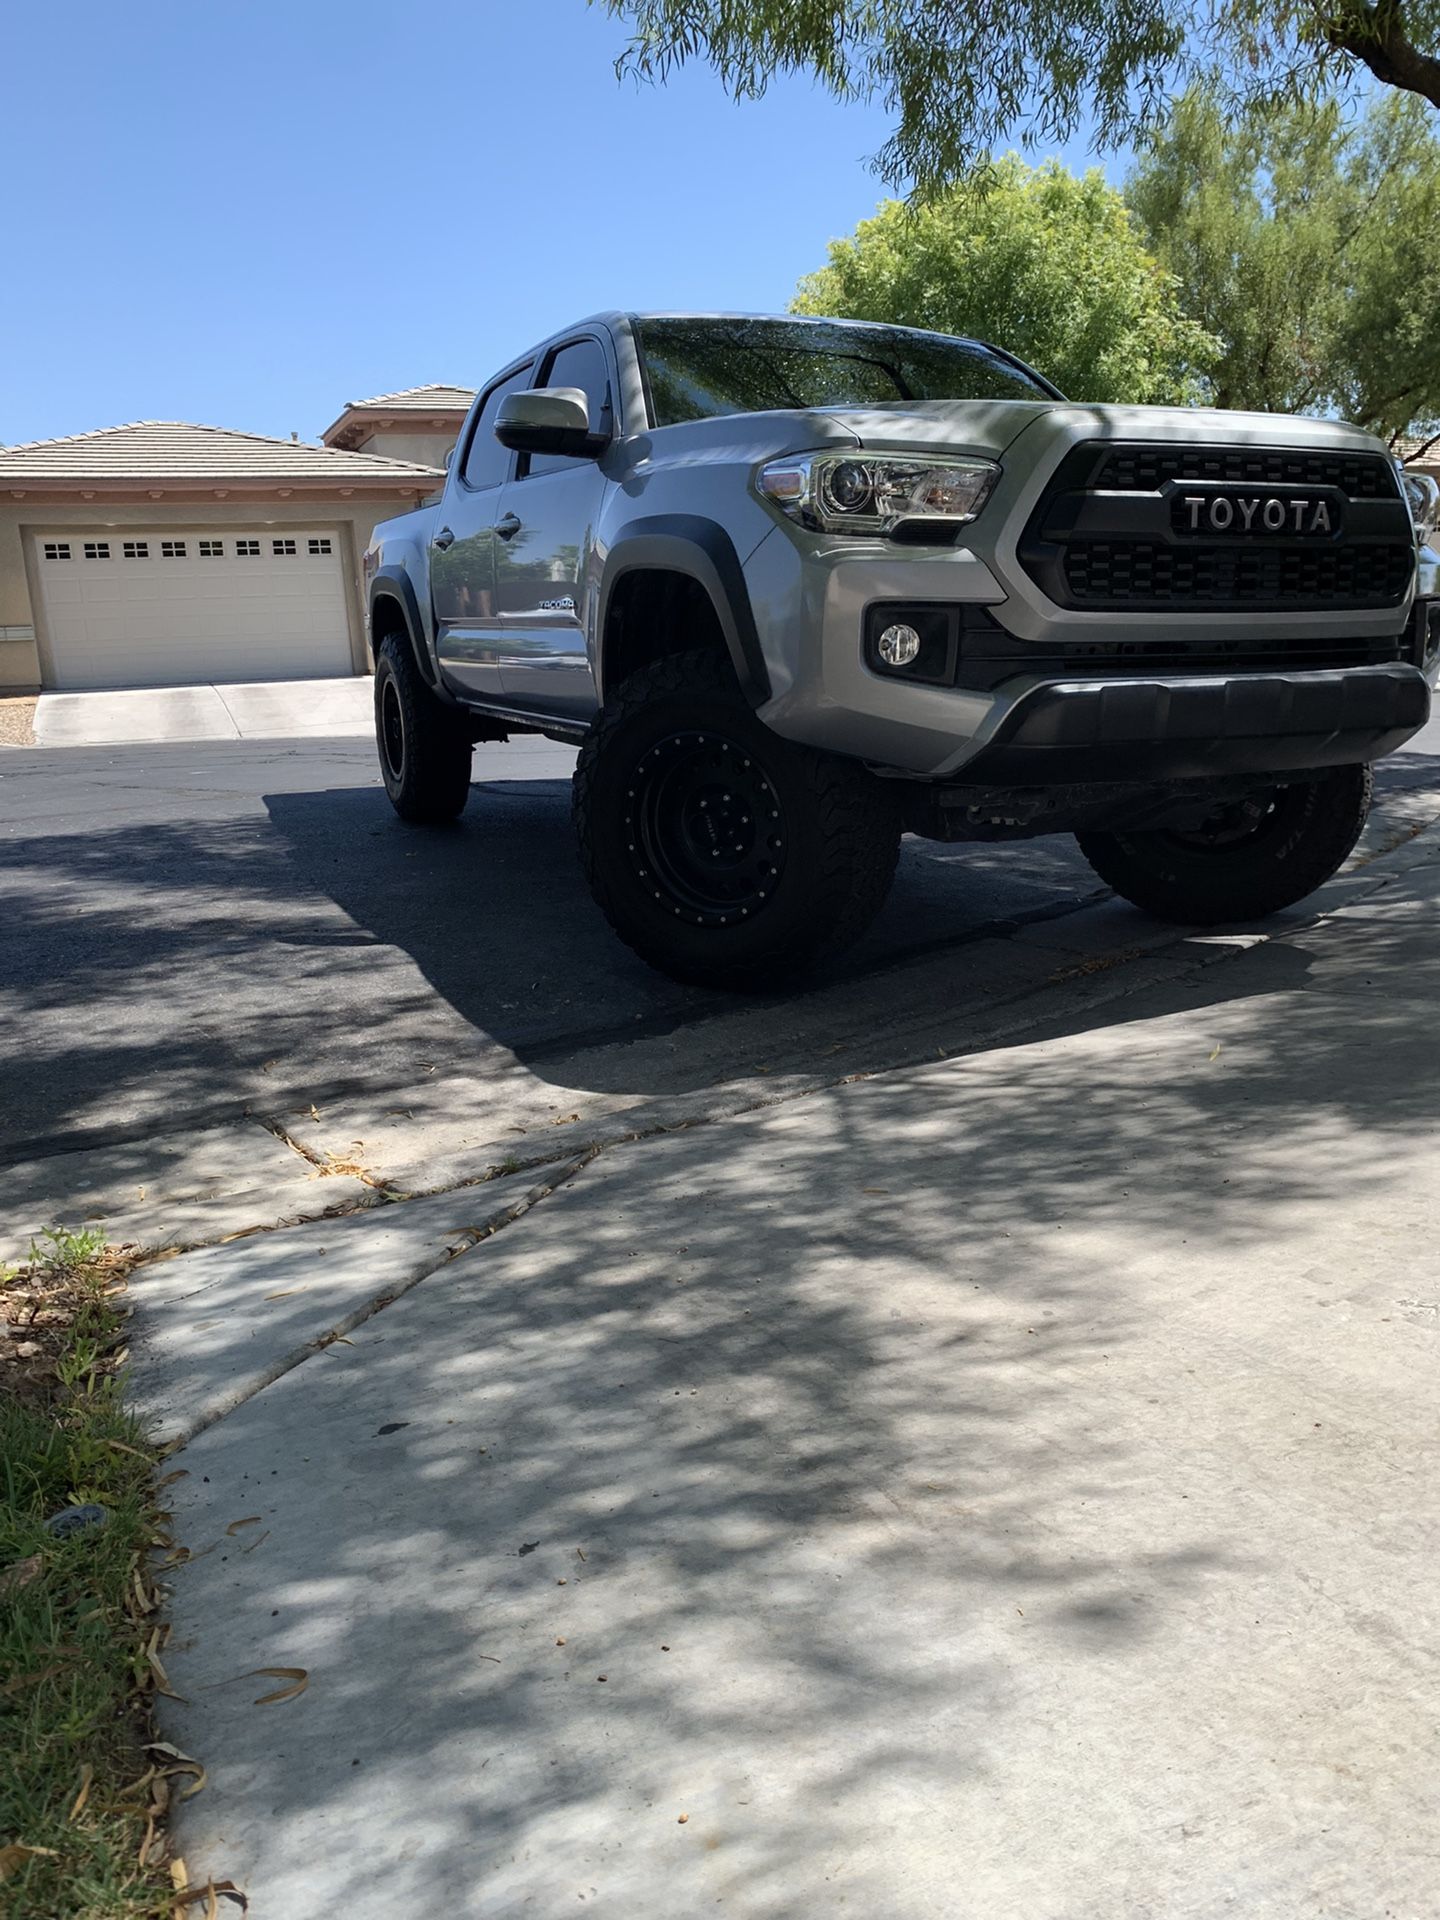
{"type": "Point", "coordinates": [75, 1615]}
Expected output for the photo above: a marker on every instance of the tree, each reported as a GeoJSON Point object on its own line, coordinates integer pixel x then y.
{"type": "Point", "coordinates": [959, 77]}
{"type": "Point", "coordinates": [1049, 266]}
{"type": "Point", "coordinates": [1305, 242]}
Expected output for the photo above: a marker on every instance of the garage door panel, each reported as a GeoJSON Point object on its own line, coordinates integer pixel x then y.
{"type": "Point", "coordinates": [229, 614]}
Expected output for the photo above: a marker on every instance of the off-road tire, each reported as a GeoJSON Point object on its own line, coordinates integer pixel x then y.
{"type": "Point", "coordinates": [1305, 835]}
{"type": "Point", "coordinates": [424, 746]}
{"type": "Point", "coordinates": [821, 831]}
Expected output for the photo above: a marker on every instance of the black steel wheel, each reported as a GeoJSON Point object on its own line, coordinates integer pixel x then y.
{"type": "Point", "coordinates": [721, 853]}
{"type": "Point", "coordinates": [424, 746]}
{"type": "Point", "coordinates": [708, 829]}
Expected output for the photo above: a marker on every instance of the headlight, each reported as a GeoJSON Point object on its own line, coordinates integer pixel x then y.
{"type": "Point", "coordinates": [878, 492]}
{"type": "Point", "coordinates": [1424, 497]}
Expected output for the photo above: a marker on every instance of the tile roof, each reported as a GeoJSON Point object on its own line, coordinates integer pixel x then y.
{"type": "Point", "coordinates": [1412, 446]}
{"type": "Point", "coordinates": [175, 450]}
{"type": "Point", "coordinates": [432, 399]}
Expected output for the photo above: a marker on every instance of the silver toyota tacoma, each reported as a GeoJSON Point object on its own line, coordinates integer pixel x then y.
{"type": "Point", "coordinates": [796, 587]}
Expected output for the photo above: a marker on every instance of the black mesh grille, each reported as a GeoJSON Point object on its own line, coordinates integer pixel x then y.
{"type": "Point", "coordinates": [1110, 572]}
{"type": "Point", "coordinates": [1087, 546]}
{"type": "Point", "coordinates": [1146, 469]}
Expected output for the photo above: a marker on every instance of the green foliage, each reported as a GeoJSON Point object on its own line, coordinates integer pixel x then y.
{"type": "Point", "coordinates": [957, 80]}
{"type": "Point", "coordinates": [1046, 265]}
{"type": "Point", "coordinates": [1305, 242]}
{"type": "Point", "coordinates": [72, 1625]}
{"type": "Point", "coordinates": [66, 1249]}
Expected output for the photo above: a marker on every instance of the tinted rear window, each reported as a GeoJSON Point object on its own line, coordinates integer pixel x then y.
{"type": "Point", "coordinates": [698, 369]}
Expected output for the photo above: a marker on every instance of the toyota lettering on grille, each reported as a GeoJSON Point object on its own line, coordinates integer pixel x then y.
{"type": "Point", "coordinates": [1232, 513]}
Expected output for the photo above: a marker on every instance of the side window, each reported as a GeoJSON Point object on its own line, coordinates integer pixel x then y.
{"type": "Point", "coordinates": [580, 364]}
{"type": "Point", "coordinates": [486, 461]}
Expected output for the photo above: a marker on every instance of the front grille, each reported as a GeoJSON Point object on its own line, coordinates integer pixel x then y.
{"type": "Point", "coordinates": [1146, 469]}
{"type": "Point", "coordinates": [1112, 572]}
{"type": "Point", "coordinates": [1109, 535]}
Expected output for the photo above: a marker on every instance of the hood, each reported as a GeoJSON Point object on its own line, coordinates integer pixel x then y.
{"type": "Point", "coordinates": [949, 426]}
{"type": "Point", "coordinates": [1216, 424]}
{"type": "Point", "coordinates": [990, 426]}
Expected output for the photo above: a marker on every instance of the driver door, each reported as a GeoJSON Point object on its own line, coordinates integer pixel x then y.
{"type": "Point", "coordinates": [543, 556]}
{"type": "Point", "coordinates": [463, 544]}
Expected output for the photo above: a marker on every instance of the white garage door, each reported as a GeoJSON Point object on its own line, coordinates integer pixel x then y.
{"type": "Point", "coordinates": [157, 609]}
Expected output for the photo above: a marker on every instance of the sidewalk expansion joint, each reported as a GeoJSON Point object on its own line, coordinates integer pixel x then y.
{"type": "Point", "coordinates": [457, 1242]}
{"type": "Point", "coordinates": [326, 1165]}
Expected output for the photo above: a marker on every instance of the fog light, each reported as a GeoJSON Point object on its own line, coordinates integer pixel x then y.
{"type": "Point", "coordinates": [898, 645]}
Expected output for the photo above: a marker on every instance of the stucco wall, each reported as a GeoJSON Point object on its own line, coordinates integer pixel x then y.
{"type": "Point", "coordinates": [393, 443]}
{"type": "Point", "coordinates": [22, 651]}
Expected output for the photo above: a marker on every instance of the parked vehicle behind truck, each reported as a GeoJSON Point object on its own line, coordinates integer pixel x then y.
{"type": "Point", "coordinates": [796, 587]}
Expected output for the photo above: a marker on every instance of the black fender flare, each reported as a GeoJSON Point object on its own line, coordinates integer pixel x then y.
{"type": "Point", "coordinates": [392, 583]}
{"type": "Point", "coordinates": [689, 544]}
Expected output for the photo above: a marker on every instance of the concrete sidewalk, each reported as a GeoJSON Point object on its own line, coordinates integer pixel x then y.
{"type": "Point", "coordinates": [1000, 1488]}
{"type": "Point", "coordinates": [253, 710]}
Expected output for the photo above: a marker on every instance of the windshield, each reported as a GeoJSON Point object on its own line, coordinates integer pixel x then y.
{"type": "Point", "coordinates": [699, 368]}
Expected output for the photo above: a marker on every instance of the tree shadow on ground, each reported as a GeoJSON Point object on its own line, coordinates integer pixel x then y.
{"type": "Point", "coordinates": [915, 1419]}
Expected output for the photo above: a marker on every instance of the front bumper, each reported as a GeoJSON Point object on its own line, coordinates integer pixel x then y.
{"type": "Point", "coordinates": [1191, 729]}
{"type": "Point", "coordinates": [1181, 698]}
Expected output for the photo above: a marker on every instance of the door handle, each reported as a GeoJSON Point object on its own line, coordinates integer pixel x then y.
{"type": "Point", "coordinates": [444, 538]}
{"type": "Point", "coordinates": [509, 526]}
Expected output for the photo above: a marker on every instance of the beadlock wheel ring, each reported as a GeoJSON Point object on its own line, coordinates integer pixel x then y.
{"type": "Point", "coordinates": [704, 829]}
{"type": "Point", "coordinates": [392, 729]}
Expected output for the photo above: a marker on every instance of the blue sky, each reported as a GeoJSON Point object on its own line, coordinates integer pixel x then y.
{"type": "Point", "coordinates": [247, 215]}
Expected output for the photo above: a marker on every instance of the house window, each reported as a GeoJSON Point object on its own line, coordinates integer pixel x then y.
{"type": "Point", "coordinates": [212, 549]}
{"type": "Point", "coordinates": [136, 549]}
{"type": "Point", "coordinates": [282, 546]}
{"type": "Point", "coordinates": [172, 549]}
{"type": "Point", "coordinates": [97, 549]}
{"type": "Point", "coordinates": [319, 546]}
{"type": "Point", "coordinates": [57, 549]}
{"type": "Point", "coordinates": [248, 549]}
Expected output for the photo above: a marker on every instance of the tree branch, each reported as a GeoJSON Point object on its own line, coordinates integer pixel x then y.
{"type": "Point", "coordinates": [1375, 35]}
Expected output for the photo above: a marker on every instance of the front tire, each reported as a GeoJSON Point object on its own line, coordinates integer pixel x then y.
{"type": "Point", "coordinates": [722, 854]}
{"type": "Point", "coordinates": [424, 746]}
{"type": "Point", "coordinates": [1250, 858]}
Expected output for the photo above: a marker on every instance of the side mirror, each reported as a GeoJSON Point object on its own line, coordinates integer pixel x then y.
{"type": "Point", "coordinates": [1424, 497]}
{"type": "Point", "coordinates": [548, 420]}
{"type": "Point", "coordinates": [449, 456]}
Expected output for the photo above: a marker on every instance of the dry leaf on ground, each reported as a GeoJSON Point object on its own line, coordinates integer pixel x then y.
{"type": "Point", "coordinates": [298, 1676]}
{"type": "Point", "coordinates": [14, 1856]}
{"type": "Point", "coordinates": [87, 1774]}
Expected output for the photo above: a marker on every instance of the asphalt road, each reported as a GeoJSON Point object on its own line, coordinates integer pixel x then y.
{"type": "Point", "coordinates": [188, 931]}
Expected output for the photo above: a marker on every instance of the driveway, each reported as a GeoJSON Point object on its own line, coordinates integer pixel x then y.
{"type": "Point", "coordinates": [192, 932]}
{"type": "Point", "coordinates": [253, 710]}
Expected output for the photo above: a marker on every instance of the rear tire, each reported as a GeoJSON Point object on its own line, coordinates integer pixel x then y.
{"type": "Point", "coordinates": [1249, 859]}
{"type": "Point", "coordinates": [424, 746]}
{"type": "Point", "coordinates": [722, 854]}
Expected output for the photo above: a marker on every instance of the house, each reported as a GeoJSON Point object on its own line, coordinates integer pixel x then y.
{"type": "Point", "coordinates": [160, 552]}
{"type": "Point", "coordinates": [1420, 452]}
{"type": "Point", "coordinates": [422, 423]}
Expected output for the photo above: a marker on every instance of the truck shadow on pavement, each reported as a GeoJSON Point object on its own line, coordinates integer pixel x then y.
{"type": "Point", "coordinates": [186, 971]}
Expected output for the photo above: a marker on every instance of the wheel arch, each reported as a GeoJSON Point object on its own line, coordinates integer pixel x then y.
{"type": "Point", "coordinates": [394, 608]}
{"type": "Point", "coordinates": [690, 548]}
